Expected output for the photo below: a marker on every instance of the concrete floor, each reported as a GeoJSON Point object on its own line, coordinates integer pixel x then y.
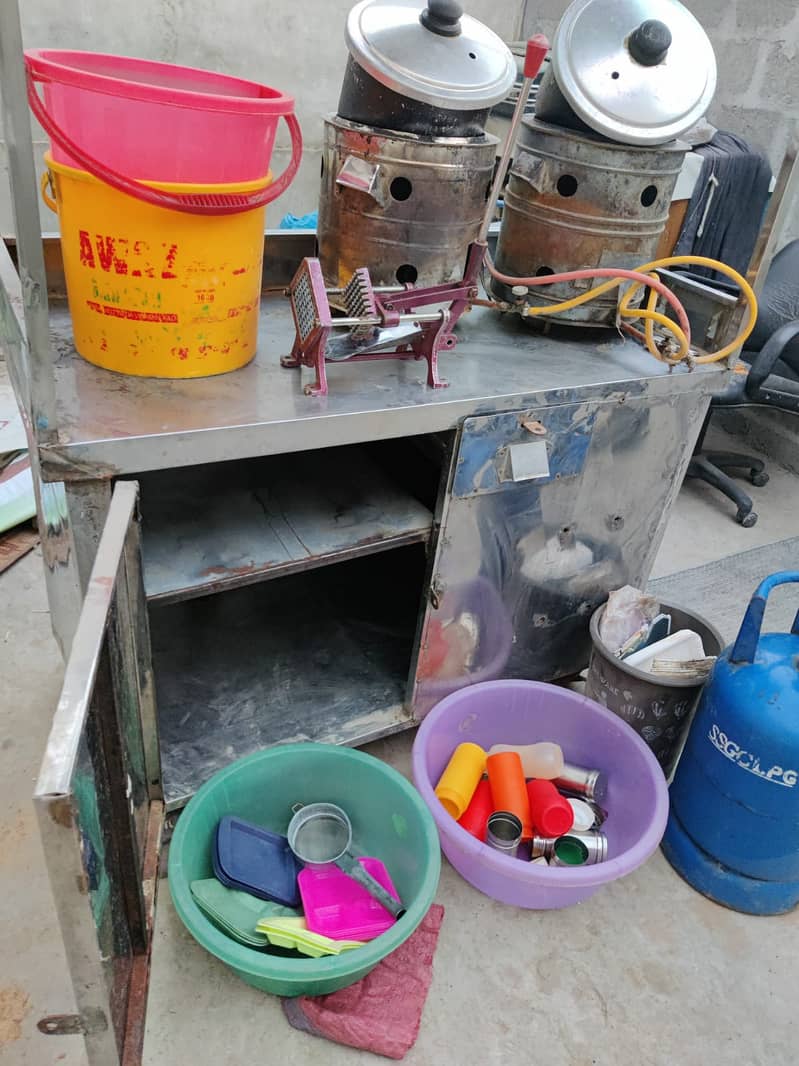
{"type": "Point", "coordinates": [646, 973]}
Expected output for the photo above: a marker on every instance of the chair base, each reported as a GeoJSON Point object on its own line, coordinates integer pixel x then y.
{"type": "Point", "coordinates": [712, 467]}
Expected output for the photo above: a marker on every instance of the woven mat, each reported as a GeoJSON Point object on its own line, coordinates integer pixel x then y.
{"type": "Point", "coordinates": [720, 591]}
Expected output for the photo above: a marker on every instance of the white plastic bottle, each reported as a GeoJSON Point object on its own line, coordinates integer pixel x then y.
{"type": "Point", "coordinates": [543, 760]}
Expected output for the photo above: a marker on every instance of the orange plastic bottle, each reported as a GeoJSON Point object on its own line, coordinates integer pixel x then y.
{"type": "Point", "coordinates": [508, 788]}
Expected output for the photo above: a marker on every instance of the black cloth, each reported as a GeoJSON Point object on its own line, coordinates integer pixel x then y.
{"type": "Point", "coordinates": [737, 203]}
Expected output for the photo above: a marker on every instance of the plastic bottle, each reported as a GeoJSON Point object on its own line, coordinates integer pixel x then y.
{"type": "Point", "coordinates": [551, 813]}
{"type": "Point", "coordinates": [475, 818]}
{"type": "Point", "coordinates": [543, 760]}
{"type": "Point", "coordinates": [457, 784]}
{"type": "Point", "coordinates": [508, 789]}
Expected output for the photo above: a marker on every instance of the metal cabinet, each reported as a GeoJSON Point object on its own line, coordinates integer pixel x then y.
{"type": "Point", "coordinates": [307, 596]}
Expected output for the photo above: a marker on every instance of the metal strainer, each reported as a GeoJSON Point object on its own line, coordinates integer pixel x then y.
{"type": "Point", "coordinates": [321, 833]}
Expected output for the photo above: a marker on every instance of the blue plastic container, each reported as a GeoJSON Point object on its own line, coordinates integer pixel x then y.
{"type": "Point", "coordinates": [249, 858]}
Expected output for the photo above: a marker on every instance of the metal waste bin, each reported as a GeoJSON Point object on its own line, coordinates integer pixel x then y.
{"type": "Point", "coordinates": [659, 709]}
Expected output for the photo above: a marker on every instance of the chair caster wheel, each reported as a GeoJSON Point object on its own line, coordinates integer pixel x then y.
{"type": "Point", "coordinates": [746, 520]}
{"type": "Point", "coordinates": [758, 478]}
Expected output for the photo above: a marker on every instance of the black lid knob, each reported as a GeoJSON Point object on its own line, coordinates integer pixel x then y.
{"type": "Point", "coordinates": [442, 17]}
{"type": "Point", "coordinates": [649, 43]}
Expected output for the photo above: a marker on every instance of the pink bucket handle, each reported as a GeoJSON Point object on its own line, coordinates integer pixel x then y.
{"type": "Point", "coordinates": [191, 203]}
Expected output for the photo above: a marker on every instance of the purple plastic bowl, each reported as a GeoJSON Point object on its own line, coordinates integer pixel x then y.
{"type": "Point", "coordinates": [523, 712]}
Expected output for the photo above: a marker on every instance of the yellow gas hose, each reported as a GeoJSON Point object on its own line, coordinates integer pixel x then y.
{"type": "Point", "coordinates": [691, 260]}
{"type": "Point", "coordinates": [648, 313]}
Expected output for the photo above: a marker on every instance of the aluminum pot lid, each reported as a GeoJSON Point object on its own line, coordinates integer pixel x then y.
{"type": "Point", "coordinates": [637, 71]}
{"type": "Point", "coordinates": [430, 51]}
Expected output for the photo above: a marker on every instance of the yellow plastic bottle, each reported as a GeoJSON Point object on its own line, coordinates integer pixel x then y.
{"type": "Point", "coordinates": [456, 785]}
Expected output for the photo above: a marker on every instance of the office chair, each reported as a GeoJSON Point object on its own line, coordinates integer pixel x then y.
{"type": "Point", "coordinates": [772, 381]}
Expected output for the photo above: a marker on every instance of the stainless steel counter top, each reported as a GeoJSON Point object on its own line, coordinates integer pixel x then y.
{"type": "Point", "coordinates": [111, 424]}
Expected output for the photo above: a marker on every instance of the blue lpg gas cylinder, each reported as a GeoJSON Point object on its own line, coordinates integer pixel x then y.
{"type": "Point", "coordinates": [733, 830]}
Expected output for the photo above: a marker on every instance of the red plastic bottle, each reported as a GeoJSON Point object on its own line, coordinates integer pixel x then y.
{"type": "Point", "coordinates": [475, 818]}
{"type": "Point", "coordinates": [551, 813]}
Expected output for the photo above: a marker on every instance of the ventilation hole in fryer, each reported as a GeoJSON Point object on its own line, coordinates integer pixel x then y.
{"type": "Point", "coordinates": [407, 274]}
{"type": "Point", "coordinates": [544, 272]}
{"type": "Point", "coordinates": [400, 188]}
{"type": "Point", "coordinates": [567, 185]}
{"type": "Point", "coordinates": [649, 195]}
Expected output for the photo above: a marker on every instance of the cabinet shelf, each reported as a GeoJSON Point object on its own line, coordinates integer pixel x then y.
{"type": "Point", "coordinates": [221, 526]}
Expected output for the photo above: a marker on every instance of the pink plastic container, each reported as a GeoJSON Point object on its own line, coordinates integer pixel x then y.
{"type": "Point", "coordinates": [338, 907]}
{"type": "Point", "coordinates": [524, 712]}
{"type": "Point", "coordinates": [156, 121]}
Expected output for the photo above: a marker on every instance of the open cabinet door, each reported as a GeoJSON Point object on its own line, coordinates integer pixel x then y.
{"type": "Point", "coordinates": [98, 800]}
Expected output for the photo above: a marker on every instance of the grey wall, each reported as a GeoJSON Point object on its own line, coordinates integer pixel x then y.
{"type": "Point", "coordinates": [297, 45]}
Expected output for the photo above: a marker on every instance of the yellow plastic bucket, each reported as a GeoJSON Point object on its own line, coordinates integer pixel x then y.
{"type": "Point", "coordinates": [152, 291]}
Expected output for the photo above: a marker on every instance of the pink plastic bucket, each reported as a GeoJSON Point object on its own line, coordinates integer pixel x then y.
{"type": "Point", "coordinates": [128, 120]}
{"type": "Point", "coordinates": [523, 712]}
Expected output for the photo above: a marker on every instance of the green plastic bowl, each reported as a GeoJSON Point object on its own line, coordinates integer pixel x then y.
{"type": "Point", "coordinates": [389, 821]}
